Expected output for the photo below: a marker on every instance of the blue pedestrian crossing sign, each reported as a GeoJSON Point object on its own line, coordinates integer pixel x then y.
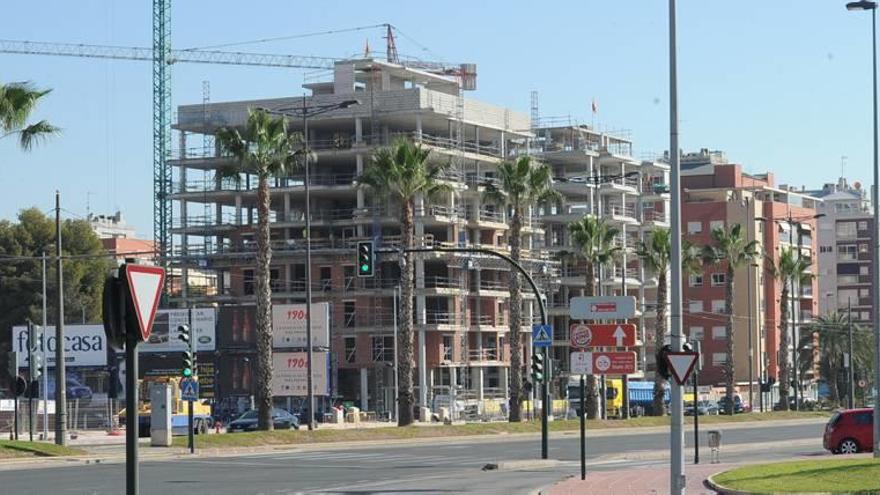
{"type": "Point", "coordinates": [189, 389]}
{"type": "Point", "coordinates": [542, 335]}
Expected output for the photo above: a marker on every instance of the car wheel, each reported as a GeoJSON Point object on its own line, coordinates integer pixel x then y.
{"type": "Point", "coordinates": [848, 446]}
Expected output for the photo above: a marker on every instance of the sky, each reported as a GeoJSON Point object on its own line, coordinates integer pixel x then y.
{"type": "Point", "coordinates": [782, 86]}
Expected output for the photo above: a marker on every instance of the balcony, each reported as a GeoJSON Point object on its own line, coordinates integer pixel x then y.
{"type": "Point", "coordinates": [653, 218]}
{"type": "Point", "coordinates": [632, 277]}
{"type": "Point", "coordinates": [484, 355]}
{"type": "Point", "coordinates": [623, 214]}
{"type": "Point", "coordinates": [621, 185]}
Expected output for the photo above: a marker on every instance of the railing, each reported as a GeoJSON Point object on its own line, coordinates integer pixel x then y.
{"type": "Point", "coordinates": [493, 285]}
{"type": "Point", "coordinates": [629, 182]}
{"type": "Point", "coordinates": [484, 354]}
{"type": "Point", "coordinates": [437, 282]}
{"type": "Point", "coordinates": [294, 245]}
{"type": "Point", "coordinates": [655, 216]}
{"type": "Point", "coordinates": [226, 218]}
{"type": "Point", "coordinates": [630, 272]}
{"type": "Point", "coordinates": [440, 211]}
{"type": "Point", "coordinates": [622, 211]}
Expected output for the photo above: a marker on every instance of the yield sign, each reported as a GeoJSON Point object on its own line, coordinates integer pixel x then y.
{"type": "Point", "coordinates": [681, 364]}
{"type": "Point", "coordinates": [144, 288]}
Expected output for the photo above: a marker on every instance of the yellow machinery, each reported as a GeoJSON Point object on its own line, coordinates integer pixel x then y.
{"type": "Point", "coordinates": [202, 419]}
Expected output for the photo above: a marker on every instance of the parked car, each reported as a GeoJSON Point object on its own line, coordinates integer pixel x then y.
{"type": "Point", "coordinates": [282, 420]}
{"type": "Point", "coordinates": [850, 431]}
{"type": "Point", "coordinates": [737, 405]}
{"type": "Point", "coordinates": [704, 407]}
{"type": "Point", "coordinates": [74, 389]}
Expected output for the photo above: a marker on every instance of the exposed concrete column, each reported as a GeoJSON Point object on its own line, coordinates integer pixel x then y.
{"type": "Point", "coordinates": [477, 372]}
{"type": "Point", "coordinates": [421, 313]}
{"type": "Point", "coordinates": [361, 196]}
{"type": "Point", "coordinates": [503, 145]}
{"type": "Point", "coordinates": [238, 216]}
{"type": "Point", "coordinates": [477, 137]}
{"type": "Point", "coordinates": [365, 390]}
{"type": "Point", "coordinates": [286, 207]}
{"type": "Point", "coordinates": [358, 130]}
{"type": "Point", "coordinates": [418, 127]}
{"type": "Point", "coordinates": [504, 383]}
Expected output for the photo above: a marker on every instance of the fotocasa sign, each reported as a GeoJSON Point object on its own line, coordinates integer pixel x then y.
{"type": "Point", "coordinates": [84, 345]}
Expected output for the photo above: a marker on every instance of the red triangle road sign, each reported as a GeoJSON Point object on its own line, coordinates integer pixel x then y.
{"type": "Point", "coordinates": [144, 288]}
{"type": "Point", "coordinates": [681, 364]}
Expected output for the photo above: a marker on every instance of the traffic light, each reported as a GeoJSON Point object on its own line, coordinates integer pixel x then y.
{"type": "Point", "coordinates": [662, 363]}
{"type": "Point", "coordinates": [365, 259]}
{"type": "Point", "coordinates": [37, 366]}
{"type": "Point", "coordinates": [537, 367]}
{"type": "Point", "coordinates": [184, 334]}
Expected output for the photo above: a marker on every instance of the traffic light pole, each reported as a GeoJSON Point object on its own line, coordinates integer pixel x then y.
{"type": "Point", "coordinates": [583, 428]}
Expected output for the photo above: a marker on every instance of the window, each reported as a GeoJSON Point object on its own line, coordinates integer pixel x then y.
{"type": "Point", "coordinates": [326, 275]}
{"type": "Point", "coordinates": [695, 307]}
{"type": "Point", "coordinates": [846, 230]}
{"type": "Point", "coordinates": [865, 418]}
{"type": "Point", "coordinates": [350, 349]}
{"type": "Point", "coordinates": [847, 279]}
{"type": "Point", "coordinates": [447, 348]}
{"type": "Point", "coordinates": [719, 333]}
{"type": "Point", "coordinates": [718, 306]}
{"type": "Point", "coordinates": [383, 349]}
{"type": "Point", "coordinates": [826, 249]}
{"type": "Point", "coordinates": [695, 227]}
{"type": "Point", "coordinates": [348, 313]}
{"type": "Point", "coordinates": [695, 280]}
{"type": "Point", "coordinates": [718, 279]}
{"type": "Point", "coordinates": [847, 252]}
{"type": "Point", "coordinates": [696, 333]}
{"type": "Point", "coordinates": [248, 280]}
{"type": "Point", "coordinates": [863, 270]}
{"type": "Point", "coordinates": [863, 225]}
{"type": "Point", "coordinates": [719, 358]}
{"type": "Point", "coordinates": [716, 224]}
{"type": "Point", "coordinates": [864, 293]}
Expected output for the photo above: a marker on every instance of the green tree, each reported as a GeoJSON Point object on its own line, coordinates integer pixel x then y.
{"type": "Point", "coordinates": [17, 103]}
{"type": "Point", "coordinates": [594, 238]}
{"type": "Point", "coordinates": [402, 173]}
{"type": "Point", "coordinates": [656, 254]}
{"type": "Point", "coordinates": [521, 185]}
{"type": "Point", "coordinates": [21, 277]}
{"type": "Point", "coordinates": [832, 333]}
{"type": "Point", "coordinates": [791, 269]}
{"type": "Point", "coordinates": [731, 248]}
{"type": "Point", "coordinates": [266, 149]}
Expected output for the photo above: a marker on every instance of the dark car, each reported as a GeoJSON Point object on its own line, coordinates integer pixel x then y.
{"type": "Point", "coordinates": [282, 420]}
{"type": "Point", "coordinates": [74, 389]}
{"type": "Point", "coordinates": [849, 432]}
{"type": "Point", "coordinates": [737, 405]}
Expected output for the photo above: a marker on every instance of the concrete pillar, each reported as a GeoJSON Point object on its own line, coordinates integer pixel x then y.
{"type": "Point", "coordinates": [365, 390]}
{"type": "Point", "coordinates": [238, 217]}
{"type": "Point", "coordinates": [286, 207]}
{"type": "Point", "coordinates": [358, 130]}
{"type": "Point", "coordinates": [421, 312]}
{"type": "Point", "coordinates": [418, 127]}
{"type": "Point", "coordinates": [477, 137]}
{"type": "Point", "coordinates": [503, 145]}
{"type": "Point", "coordinates": [503, 382]}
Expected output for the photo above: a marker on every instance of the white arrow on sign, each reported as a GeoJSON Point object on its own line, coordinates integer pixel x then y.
{"type": "Point", "coordinates": [619, 335]}
{"type": "Point", "coordinates": [681, 365]}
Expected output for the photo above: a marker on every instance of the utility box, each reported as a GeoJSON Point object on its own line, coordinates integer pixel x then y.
{"type": "Point", "coordinates": [160, 415]}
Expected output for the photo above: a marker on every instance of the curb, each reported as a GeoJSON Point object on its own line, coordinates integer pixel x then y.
{"type": "Point", "coordinates": [722, 490]}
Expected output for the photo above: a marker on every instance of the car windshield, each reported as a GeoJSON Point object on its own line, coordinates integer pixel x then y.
{"type": "Point", "coordinates": [249, 415]}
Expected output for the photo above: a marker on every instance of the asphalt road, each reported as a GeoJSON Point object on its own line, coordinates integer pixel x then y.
{"type": "Point", "coordinates": [429, 467]}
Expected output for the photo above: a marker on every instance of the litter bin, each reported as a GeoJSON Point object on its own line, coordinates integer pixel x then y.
{"type": "Point", "coordinates": [714, 440]}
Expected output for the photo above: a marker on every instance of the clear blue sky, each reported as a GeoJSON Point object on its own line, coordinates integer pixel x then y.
{"type": "Point", "coordinates": [782, 86]}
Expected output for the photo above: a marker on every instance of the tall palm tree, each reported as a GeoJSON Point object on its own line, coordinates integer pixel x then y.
{"type": "Point", "coordinates": [17, 103]}
{"type": "Point", "coordinates": [732, 248]}
{"type": "Point", "coordinates": [401, 173]}
{"type": "Point", "coordinates": [790, 269]}
{"type": "Point", "coordinates": [656, 254]}
{"type": "Point", "coordinates": [594, 239]}
{"type": "Point", "coordinates": [832, 333]}
{"type": "Point", "coordinates": [521, 184]}
{"type": "Point", "coordinates": [265, 149]}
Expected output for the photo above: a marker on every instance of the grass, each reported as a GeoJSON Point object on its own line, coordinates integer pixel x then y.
{"type": "Point", "coordinates": [303, 436]}
{"type": "Point", "coordinates": [831, 476]}
{"type": "Point", "coordinates": [20, 448]}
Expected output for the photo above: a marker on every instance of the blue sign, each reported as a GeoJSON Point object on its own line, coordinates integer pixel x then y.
{"type": "Point", "coordinates": [542, 335]}
{"type": "Point", "coordinates": [189, 389]}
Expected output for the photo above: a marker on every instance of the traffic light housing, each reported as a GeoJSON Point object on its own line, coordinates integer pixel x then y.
{"type": "Point", "coordinates": [36, 366]}
{"type": "Point", "coordinates": [538, 367]}
{"type": "Point", "coordinates": [189, 364]}
{"type": "Point", "coordinates": [662, 363]}
{"type": "Point", "coordinates": [365, 259]}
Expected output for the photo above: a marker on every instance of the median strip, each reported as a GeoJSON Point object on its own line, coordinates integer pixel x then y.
{"type": "Point", "coordinates": [849, 475]}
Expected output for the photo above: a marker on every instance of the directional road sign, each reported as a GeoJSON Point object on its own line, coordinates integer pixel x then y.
{"type": "Point", "coordinates": [613, 335]}
{"type": "Point", "coordinates": [189, 389]}
{"type": "Point", "coordinates": [602, 308]}
{"type": "Point", "coordinates": [144, 288]}
{"type": "Point", "coordinates": [542, 335]}
{"type": "Point", "coordinates": [681, 364]}
{"type": "Point", "coordinates": [603, 363]}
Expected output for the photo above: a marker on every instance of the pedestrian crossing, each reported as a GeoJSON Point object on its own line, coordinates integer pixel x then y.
{"type": "Point", "coordinates": [375, 458]}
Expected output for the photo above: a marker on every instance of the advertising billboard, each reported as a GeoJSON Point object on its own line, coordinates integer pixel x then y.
{"type": "Point", "coordinates": [289, 377]}
{"type": "Point", "coordinates": [289, 325]}
{"type": "Point", "coordinates": [84, 345]}
{"type": "Point", "coordinates": [164, 337]}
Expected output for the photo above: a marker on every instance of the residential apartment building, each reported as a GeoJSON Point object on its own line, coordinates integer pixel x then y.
{"type": "Point", "coordinates": [845, 261]}
{"type": "Point", "coordinates": [461, 302]}
{"type": "Point", "coordinates": [596, 174]}
{"type": "Point", "coordinates": [719, 195]}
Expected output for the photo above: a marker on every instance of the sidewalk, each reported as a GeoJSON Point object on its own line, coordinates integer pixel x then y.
{"type": "Point", "coordinates": [637, 481]}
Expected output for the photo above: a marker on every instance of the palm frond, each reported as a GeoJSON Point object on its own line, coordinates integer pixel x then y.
{"type": "Point", "coordinates": [36, 133]}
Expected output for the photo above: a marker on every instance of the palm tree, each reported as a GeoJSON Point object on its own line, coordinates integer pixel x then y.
{"type": "Point", "coordinates": [595, 240]}
{"type": "Point", "coordinates": [832, 333]}
{"type": "Point", "coordinates": [790, 268]}
{"type": "Point", "coordinates": [521, 185]}
{"type": "Point", "coordinates": [732, 248]}
{"type": "Point", "coordinates": [656, 254]}
{"type": "Point", "coordinates": [17, 102]}
{"type": "Point", "coordinates": [401, 173]}
{"type": "Point", "coordinates": [265, 149]}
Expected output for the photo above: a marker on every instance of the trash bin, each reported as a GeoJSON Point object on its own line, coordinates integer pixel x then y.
{"type": "Point", "coordinates": [714, 440]}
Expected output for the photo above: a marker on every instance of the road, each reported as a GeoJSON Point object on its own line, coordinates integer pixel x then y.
{"type": "Point", "coordinates": [445, 466]}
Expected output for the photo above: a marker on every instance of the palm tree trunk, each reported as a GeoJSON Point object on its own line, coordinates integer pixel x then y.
{"type": "Point", "coordinates": [405, 356]}
{"type": "Point", "coordinates": [833, 389]}
{"type": "Point", "coordinates": [516, 321]}
{"type": "Point", "coordinates": [729, 367]}
{"type": "Point", "coordinates": [591, 401]}
{"type": "Point", "coordinates": [264, 309]}
{"type": "Point", "coordinates": [783, 347]}
{"type": "Point", "coordinates": [659, 404]}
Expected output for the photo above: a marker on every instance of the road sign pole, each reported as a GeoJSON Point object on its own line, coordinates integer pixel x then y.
{"type": "Point", "coordinates": [583, 428]}
{"type": "Point", "coordinates": [189, 414]}
{"type": "Point", "coordinates": [16, 417]}
{"type": "Point", "coordinates": [696, 423]}
{"type": "Point", "coordinates": [131, 412]}
{"type": "Point", "coordinates": [545, 399]}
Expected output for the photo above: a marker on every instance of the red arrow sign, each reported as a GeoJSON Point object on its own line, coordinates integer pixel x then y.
{"type": "Point", "coordinates": [582, 335]}
{"type": "Point", "coordinates": [681, 364]}
{"type": "Point", "coordinates": [603, 363]}
{"type": "Point", "coordinates": [144, 289]}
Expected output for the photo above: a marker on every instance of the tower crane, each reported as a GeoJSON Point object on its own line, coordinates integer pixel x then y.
{"type": "Point", "coordinates": [163, 57]}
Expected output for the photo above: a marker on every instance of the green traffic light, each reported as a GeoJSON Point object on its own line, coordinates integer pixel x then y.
{"type": "Point", "coordinates": [187, 372]}
{"type": "Point", "coordinates": [365, 268]}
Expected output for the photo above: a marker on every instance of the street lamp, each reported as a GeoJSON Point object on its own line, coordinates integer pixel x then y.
{"type": "Point", "coordinates": [306, 112]}
{"type": "Point", "coordinates": [875, 257]}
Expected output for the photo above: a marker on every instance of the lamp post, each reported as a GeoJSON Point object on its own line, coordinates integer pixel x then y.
{"type": "Point", "coordinates": [875, 256]}
{"type": "Point", "coordinates": [305, 112]}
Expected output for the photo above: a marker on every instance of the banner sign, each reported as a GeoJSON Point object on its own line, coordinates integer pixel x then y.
{"type": "Point", "coordinates": [84, 345]}
{"type": "Point", "coordinates": [164, 337]}
{"type": "Point", "coordinates": [289, 374]}
{"type": "Point", "coordinates": [289, 325]}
